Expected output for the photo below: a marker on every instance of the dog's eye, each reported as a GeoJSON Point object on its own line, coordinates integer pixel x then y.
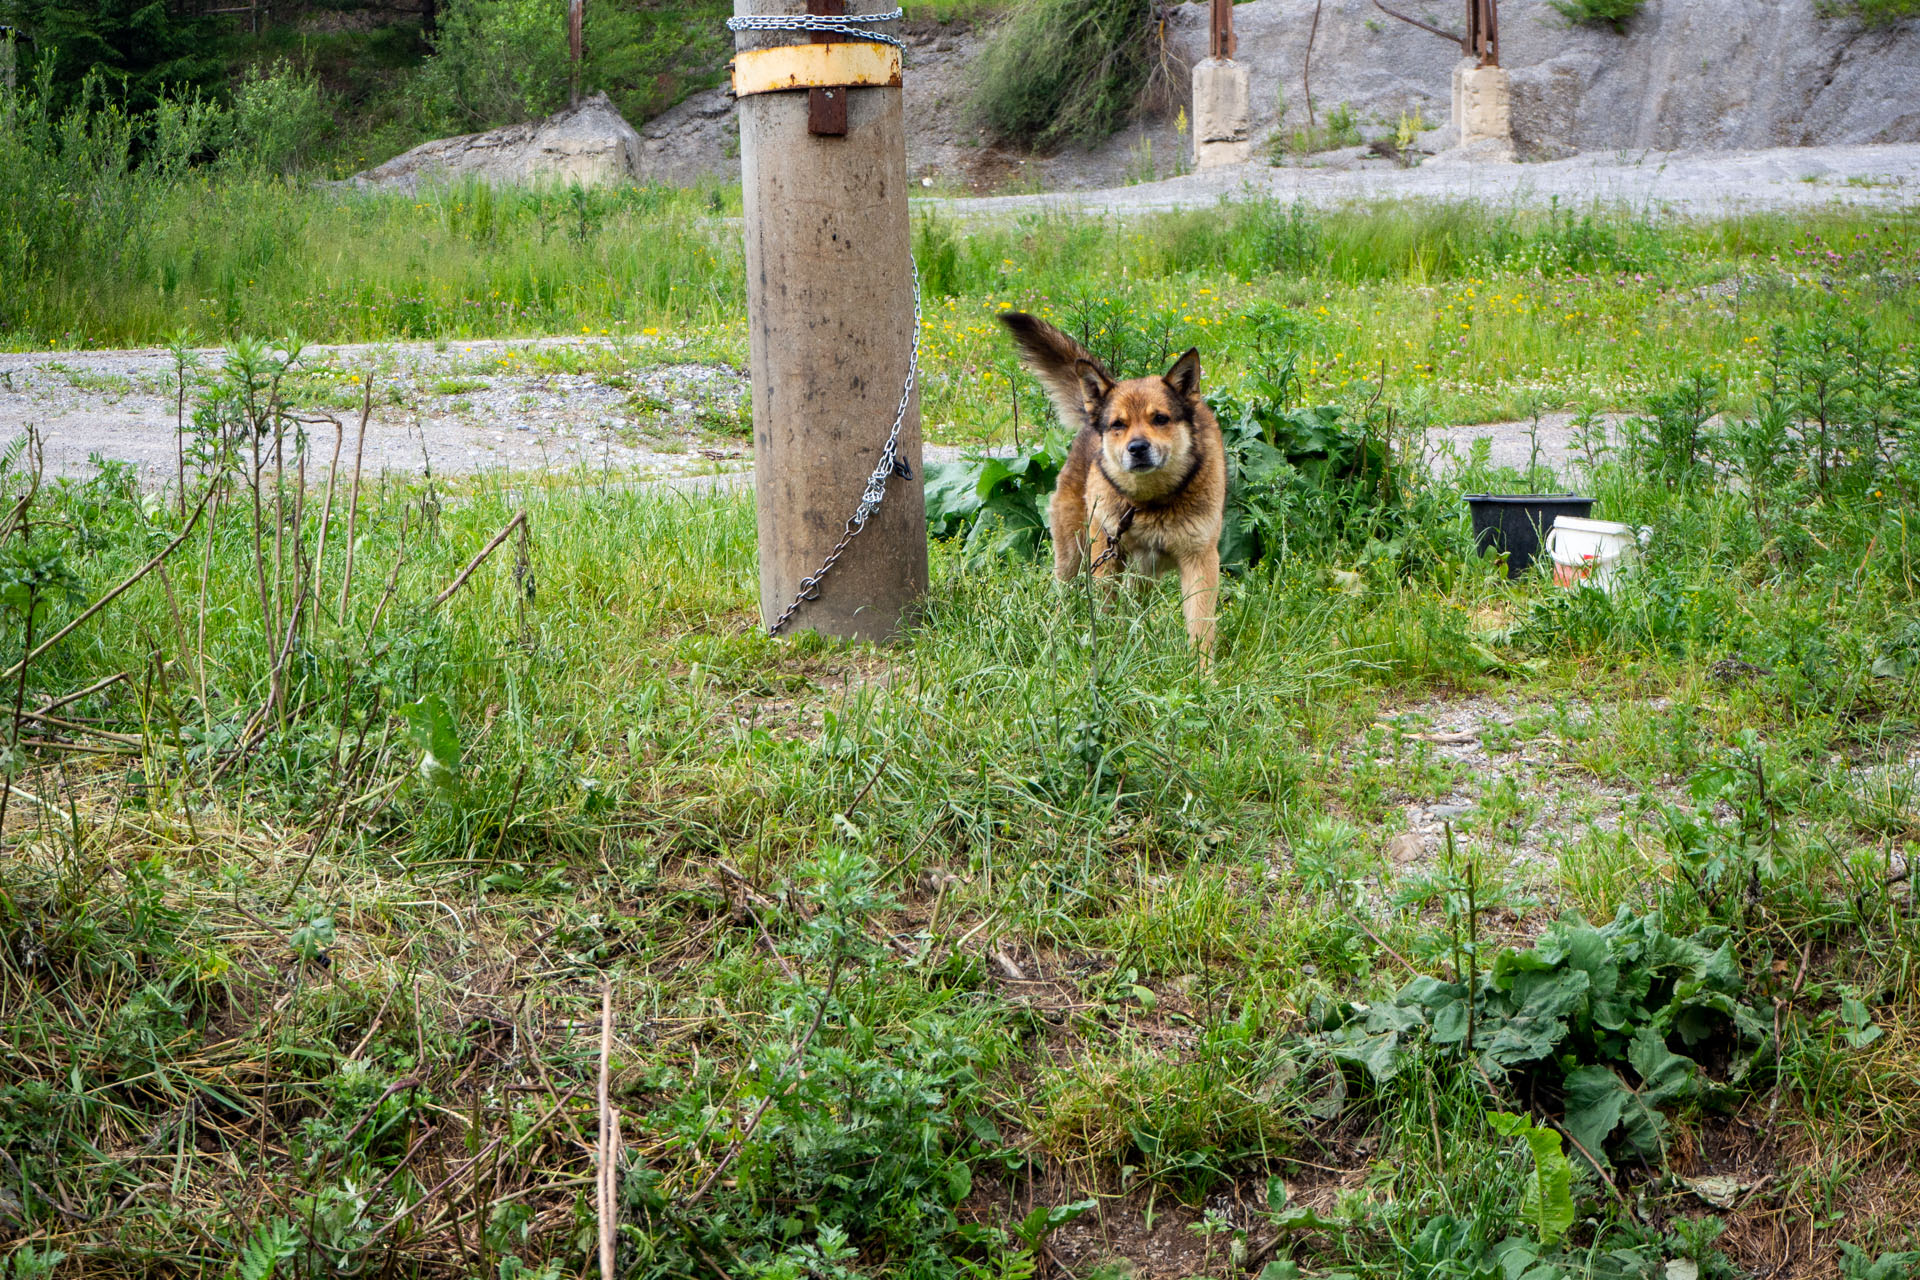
{"type": "Point", "coordinates": [1117, 424]}
{"type": "Point", "coordinates": [1161, 419]}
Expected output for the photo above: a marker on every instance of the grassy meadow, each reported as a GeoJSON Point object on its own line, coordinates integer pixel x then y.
{"type": "Point", "coordinates": [1472, 313]}
{"type": "Point", "coordinates": [1023, 945]}
{"type": "Point", "coordinates": [1447, 926]}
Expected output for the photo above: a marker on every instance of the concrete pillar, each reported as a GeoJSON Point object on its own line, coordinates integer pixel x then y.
{"type": "Point", "coordinates": [830, 327]}
{"type": "Point", "coordinates": [1482, 104]}
{"type": "Point", "coordinates": [1221, 113]}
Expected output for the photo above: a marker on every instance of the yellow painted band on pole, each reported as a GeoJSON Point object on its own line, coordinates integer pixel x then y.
{"type": "Point", "coordinates": [815, 66]}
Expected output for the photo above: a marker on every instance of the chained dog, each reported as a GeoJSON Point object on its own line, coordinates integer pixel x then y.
{"type": "Point", "coordinates": [1144, 488]}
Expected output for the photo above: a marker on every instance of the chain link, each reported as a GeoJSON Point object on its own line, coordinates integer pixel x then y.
{"type": "Point", "coordinates": [1113, 541]}
{"type": "Point", "coordinates": [876, 490]}
{"type": "Point", "coordinates": [853, 26]}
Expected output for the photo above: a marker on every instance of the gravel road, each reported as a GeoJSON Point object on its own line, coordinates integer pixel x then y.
{"type": "Point", "coordinates": [457, 408]}
{"type": "Point", "coordinates": [464, 408]}
{"type": "Point", "coordinates": [1696, 184]}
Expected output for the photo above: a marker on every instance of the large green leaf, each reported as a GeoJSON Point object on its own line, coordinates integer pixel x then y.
{"type": "Point", "coordinates": [430, 726]}
{"type": "Point", "coordinates": [1046, 1219]}
{"type": "Point", "coordinates": [952, 496]}
{"type": "Point", "coordinates": [1380, 1053]}
{"type": "Point", "coordinates": [1541, 1003]}
{"type": "Point", "coordinates": [1546, 1203]}
{"type": "Point", "coordinates": [1599, 1101]}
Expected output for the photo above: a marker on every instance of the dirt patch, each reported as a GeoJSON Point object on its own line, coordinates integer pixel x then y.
{"type": "Point", "coordinates": [1490, 738]}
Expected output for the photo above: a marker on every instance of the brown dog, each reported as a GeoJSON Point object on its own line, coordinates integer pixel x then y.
{"type": "Point", "coordinates": [1144, 487]}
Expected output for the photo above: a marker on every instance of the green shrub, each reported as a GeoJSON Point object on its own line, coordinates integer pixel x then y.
{"type": "Point", "coordinates": [1593, 1013]}
{"type": "Point", "coordinates": [499, 61]}
{"type": "Point", "coordinates": [1062, 71]}
{"type": "Point", "coordinates": [1340, 129]}
{"type": "Point", "coordinates": [69, 191]}
{"type": "Point", "coordinates": [496, 61]}
{"type": "Point", "coordinates": [1617, 12]}
{"type": "Point", "coordinates": [1872, 12]}
{"type": "Point", "coordinates": [146, 51]}
{"type": "Point", "coordinates": [280, 117]}
{"type": "Point", "coordinates": [652, 55]}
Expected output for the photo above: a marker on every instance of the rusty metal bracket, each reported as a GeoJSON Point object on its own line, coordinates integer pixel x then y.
{"type": "Point", "coordinates": [827, 107]}
{"type": "Point", "coordinates": [1448, 36]}
{"type": "Point", "coordinates": [1482, 40]}
{"type": "Point", "coordinates": [814, 66]}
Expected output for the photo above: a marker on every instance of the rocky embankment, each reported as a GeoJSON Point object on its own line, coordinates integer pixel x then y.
{"type": "Point", "coordinates": [1685, 75]}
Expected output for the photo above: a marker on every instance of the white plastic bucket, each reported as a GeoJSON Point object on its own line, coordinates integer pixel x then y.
{"type": "Point", "coordinates": [1591, 552]}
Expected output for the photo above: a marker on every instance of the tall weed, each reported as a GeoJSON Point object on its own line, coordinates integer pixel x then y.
{"type": "Point", "coordinates": [1062, 71]}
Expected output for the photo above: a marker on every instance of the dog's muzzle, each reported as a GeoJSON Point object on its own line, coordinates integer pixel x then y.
{"type": "Point", "coordinates": [1141, 456]}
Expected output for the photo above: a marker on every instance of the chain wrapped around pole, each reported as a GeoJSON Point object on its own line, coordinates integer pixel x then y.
{"type": "Point", "coordinates": [852, 26]}
{"type": "Point", "coordinates": [876, 490]}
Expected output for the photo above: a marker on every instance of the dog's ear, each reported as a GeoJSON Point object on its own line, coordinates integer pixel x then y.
{"type": "Point", "coordinates": [1074, 380]}
{"type": "Point", "coordinates": [1094, 384]}
{"type": "Point", "coordinates": [1184, 377]}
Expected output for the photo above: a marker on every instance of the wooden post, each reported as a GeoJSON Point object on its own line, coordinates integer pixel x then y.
{"type": "Point", "coordinates": [830, 332]}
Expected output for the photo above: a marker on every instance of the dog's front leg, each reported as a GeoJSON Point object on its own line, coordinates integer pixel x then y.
{"type": "Point", "coordinates": [1200, 596]}
{"type": "Point", "coordinates": [1069, 550]}
{"type": "Point", "coordinates": [1067, 515]}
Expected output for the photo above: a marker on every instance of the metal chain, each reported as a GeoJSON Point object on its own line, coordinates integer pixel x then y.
{"type": "Point", "coordinates": [1113, 541]}
{"type": "Point", "coordinates": [853, 26]}
{"type": "Point", "coordinates": [888, 466]}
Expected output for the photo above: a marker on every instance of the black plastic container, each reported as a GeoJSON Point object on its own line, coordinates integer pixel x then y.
{"type": "Point", "coordinates": [1516, 524]}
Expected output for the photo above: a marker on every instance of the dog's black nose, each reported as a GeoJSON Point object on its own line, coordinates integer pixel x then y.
{"type": "Point", "coordinates": [1138, 451]}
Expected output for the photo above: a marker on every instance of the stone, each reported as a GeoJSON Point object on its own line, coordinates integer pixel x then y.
{"type": "Point", "coordinates": [1481, 151]}
{"type": "Point", "coordinates": [591, 144]}
{"type": "Point", "coordinates": [1686, 75]}
{"type": "Point", "coordinates": [1482, 104]}
{"type": "Point", "coordinates": [1220, 113]}
{"type": "Point", "coordinates": [1406, 847]}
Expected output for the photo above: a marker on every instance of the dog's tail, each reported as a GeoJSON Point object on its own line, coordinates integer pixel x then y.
{"type": "Point", "coordinates": [1075, 381]}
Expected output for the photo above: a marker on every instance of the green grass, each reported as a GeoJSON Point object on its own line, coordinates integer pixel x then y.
{"type": "Point", "coordinates": [304, 924]}
{"type": "Point", "coordinates": [306, 914]}
{"type": "Point", "coordinates": [1616, 13]}
{"type": "Point", "coordinates": [1471, 312]}
{"type": "Point", "coordinates": [1058, 73]}
{"type": "Point", "coordinates": [972, 12]}
{"type": "Point", "coordinates": [1474, 313]}
{"type": "Point", "coordinates": [1872, 12]}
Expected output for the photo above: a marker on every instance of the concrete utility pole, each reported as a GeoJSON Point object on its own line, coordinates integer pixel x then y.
{"type": "Point", "coordinates": [1221, 97]}
{"type": "Point", "coordinates": [830, 310]}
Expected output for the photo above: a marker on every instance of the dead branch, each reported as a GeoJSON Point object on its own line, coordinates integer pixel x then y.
{"type": "Point", "coordinates": [518, 520]}
{"type": "Point", "coordinates": [112, 595]}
